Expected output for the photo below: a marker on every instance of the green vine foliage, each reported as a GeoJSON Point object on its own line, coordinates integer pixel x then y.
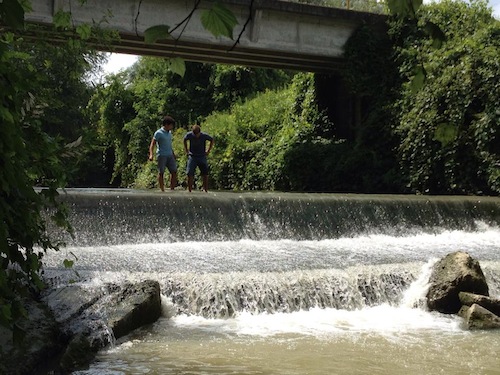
{"type": "Point", "coordinates": [111, 106]}
{"type": "Point", "coordinates": [260, 142]}
{"type": "Point", "coordinates": [128, 108]}
{"type": "Point", "coordinates": [245, 137]}
{"type": "Point", "coordinates": [28, 156]}
{"type": "Point", "coordinates": [450, 129]}
{"type": "Point", "coordinates": [40, 84]}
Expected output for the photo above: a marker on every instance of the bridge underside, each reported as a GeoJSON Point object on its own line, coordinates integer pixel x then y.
{"type": "Point", "coordinates": [270, 33]}
{"type": "Point", "coordinates": [192, 51]}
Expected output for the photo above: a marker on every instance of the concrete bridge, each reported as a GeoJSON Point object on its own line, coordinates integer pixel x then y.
{"type": "Point", "coordinates": [270, 33]}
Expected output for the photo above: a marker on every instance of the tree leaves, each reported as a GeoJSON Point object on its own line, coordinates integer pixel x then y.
{"type": "Point", "coordinates": [177, 65]}
{"type": "Point", "coordinates": [62, 19]}
{"type": "Point", "coordinates": [418, 80]}
{"type": "Point", "coordinates": [435, 33]}
{"type": "Point", "coordinates": [445, 133]}
{"type": "Point", "coordinates": [404, 8]}
{"type": "Point", "coordinates": [161, 32]}
{"type": "Point", "coordinates": [69, 264]}
{"type": "Point", "coordinates": [407, 9]}
{"type": "Point", "coordinates": [219, 20]}
{"type": "Point", "coordinates": [155, 33]}
{"type": "Point", "coordinates": [84, 31]}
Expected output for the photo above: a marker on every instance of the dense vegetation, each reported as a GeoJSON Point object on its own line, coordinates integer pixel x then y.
{"type": "Point", "coordinates": [127, 109]}
{"type": "Point", "coordinates": [42, 88]}
{"type": "Point", "coordinates": [441, 138]}
{"type": "Point", "coordinates": [271, 128]}
{"type": "Point", "coordinates": [449, 131]}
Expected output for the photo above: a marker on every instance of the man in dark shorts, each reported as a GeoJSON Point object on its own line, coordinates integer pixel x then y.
{"type": "Point", "coordinates": [197, 155]}
{"type": "Point", "coordinates": [162, 138]}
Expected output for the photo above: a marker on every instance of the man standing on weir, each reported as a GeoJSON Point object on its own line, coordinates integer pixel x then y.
{"type": "Point", "coordinates": [162, 138]}
{"type": "Point", "coordinates": [197, 155]}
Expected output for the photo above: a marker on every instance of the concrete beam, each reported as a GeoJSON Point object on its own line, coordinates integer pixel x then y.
{"type": "Point", "coordinates": [280, 34]}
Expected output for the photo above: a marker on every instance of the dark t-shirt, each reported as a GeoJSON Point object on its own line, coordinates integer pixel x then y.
{"type": "Point", "coordinates": [197, 144]}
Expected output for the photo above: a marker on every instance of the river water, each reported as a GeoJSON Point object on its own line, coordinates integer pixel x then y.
{"type": "Point", "coordinates": [275, 283]}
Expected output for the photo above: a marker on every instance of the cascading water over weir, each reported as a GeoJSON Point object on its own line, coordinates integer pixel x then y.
{"type": "Point", "coordinates": [284, 283]}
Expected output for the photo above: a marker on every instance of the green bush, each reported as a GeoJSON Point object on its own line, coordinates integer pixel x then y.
{"type": "Point", "coordinates": [255, 139]}
{"type": "Point", "coordinates": [450, 128]}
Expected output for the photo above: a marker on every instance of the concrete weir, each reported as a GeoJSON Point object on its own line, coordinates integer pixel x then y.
{"type": "Point", "coordinates": [117, 216]}
{"type": "Point", "coordinates": [270, 33]}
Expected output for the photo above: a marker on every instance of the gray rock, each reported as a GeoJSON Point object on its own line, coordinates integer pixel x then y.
{"type": "Point", "coordinates": [463, 311]}
{"type": "Point", "coordinates": [93, 319]}
{"type": "Point", "coordinates": [456, 272]}
{"type": "Point", "coordinates": [65, 330]}
{"type": "Point", "coordinates": [79, 353]}
{"type": "Point", "coordinates": [40, 343]}
{"type": "Point", "coordinates": [492, 304]}
{"type": "Point", "coordinates": [477, 317]}
{"type": "Point", "coordinates": [71, 301]}
{"type": "Point", "coordinates": [135, 306]}
{"type": "Point", "coordinates": [121, 308]}
{"type": "Point", "coordinates": [80, 311]}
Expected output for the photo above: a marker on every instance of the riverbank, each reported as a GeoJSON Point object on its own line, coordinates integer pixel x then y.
{"type": "Point", "coordinates": [65, 328]}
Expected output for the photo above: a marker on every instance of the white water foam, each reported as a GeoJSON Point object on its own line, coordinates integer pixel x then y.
{"type": "Point", "coordinates": [279, 255]}
{"type": "Point", "coordinates": [326, 323]}
{"type": "Point", "coordinates": [415, 295]}
{"type": "Point", "coordinates": [410, 316]}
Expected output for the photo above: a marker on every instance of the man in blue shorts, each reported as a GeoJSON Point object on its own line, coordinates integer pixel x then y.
{"type": "Point", "coordinates": [197, 155]}
{"type": "Point", "coordinates": [162, 138]}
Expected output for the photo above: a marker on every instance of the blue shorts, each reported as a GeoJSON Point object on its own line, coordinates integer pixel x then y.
{"type": "Point", "coordinates": [168, 162]}
{"type": "Point", "coordinates": [197, 161]}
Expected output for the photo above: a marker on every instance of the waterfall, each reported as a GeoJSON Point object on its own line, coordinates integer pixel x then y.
{"type": "Point", "coordinates": [224, 295]}
{"type": "Point", "coordinates": [127, 216]}
{"type": "Point", "coordinates": [221, 254]}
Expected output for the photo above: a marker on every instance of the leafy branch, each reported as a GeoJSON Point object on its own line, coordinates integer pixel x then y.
{"type": "Point", "coordinates": [218, 20]}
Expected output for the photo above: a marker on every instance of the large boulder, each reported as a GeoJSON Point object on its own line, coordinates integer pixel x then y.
{"type": "Point", "coordinates": [456, 272]}
{"type": "Point", "coordinates": [40, 342]}
{"type": "Point", "coordinates": [92, 319]}
{"type": "Point", "coordinates": [135, 306]}
{"type": "Point", "coordinates": [74, 322]}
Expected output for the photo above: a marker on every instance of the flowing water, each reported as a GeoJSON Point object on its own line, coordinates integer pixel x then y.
{"type": "Point", "coordinates": [278, 283]}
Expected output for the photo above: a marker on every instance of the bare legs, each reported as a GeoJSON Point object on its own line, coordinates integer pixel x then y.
{"type": "Point", "coordinates": [161, 182]}
{"type": "Point", "coordinates": [173, 181]}
{"type": "Point", "coordinates": [205, 183]}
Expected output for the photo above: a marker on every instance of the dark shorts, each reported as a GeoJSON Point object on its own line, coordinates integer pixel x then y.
{"type": "Point", "coordinates": [167, 162]}
{"type": "Point", "coordinates": [197, 161]}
